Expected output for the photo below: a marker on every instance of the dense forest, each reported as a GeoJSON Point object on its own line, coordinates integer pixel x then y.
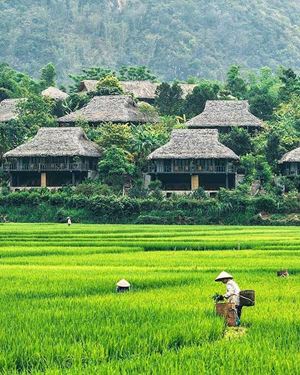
{"type": "Point", "coordinates": [174, 38]}
{"type": "Point", "coordinates": [264, 195]}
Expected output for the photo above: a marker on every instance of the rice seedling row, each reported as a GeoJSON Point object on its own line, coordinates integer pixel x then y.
{"type": "Point", "coordinates": [60, 313]}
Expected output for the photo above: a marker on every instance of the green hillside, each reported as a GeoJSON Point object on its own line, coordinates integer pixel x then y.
{"type": "Point", "coordinates": [175, 38]}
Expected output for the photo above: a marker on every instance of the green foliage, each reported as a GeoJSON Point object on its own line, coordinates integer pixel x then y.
{"type": "Point", "coordinates": [195, 102]}
{"type": "Point", "coordinates": [75, 101]}
{"type": "Point", "coordinates": [263, 93]}
{"type": "Point", "coordinates": [273, 149]}
{"type": "Point", "coordinates": [48, 75]}
{"type": "Point", "coordinates": [136, 73]}
{"type": "Point", "coordinates": [14, 84]}
{"type": "Point", "coordinates": [35, 112]}
{"type": "Point", "coordinates": [12, 134]}
{"type": "Point", "coordinates": [256, 168]}
{"type": "Point", "coordinates": [235, 83]}
{"type": "Point", "coordinates": [99, 203]}
{"type": "Point", "coordinates": [290, 84]}
{"type": "Point", "coordinates": [114, 135]}
{"type": "Point", "coordinates": [91, 188]}
{"type": "Point", "coordinates": [60, 313]}
{"type": "Point", "coordinates": [115, 165]}
{"type": "Point", "coordinates": [94, 73]}
{"type": "Point", "coordinates": [169, 99]}
{"type": "Point", "coordinates": [238, 140]}
{"type": "Point", "coordinates": [288, 116]}
{"type": "Point", "coordinates": [200, 41]}
{"type": "Point", "coordinates": [109, 85]}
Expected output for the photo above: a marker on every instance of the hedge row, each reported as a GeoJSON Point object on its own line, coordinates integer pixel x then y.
{"type": "Point", "coordinates": [228, 207]}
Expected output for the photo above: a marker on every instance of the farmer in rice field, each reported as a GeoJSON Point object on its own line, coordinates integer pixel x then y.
{"type": "Point", "coordinates": [232, 291]}
{"type": "Point", "coordinates": [69, 222]}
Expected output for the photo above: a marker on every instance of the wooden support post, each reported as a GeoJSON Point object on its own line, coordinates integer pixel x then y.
{"type": "Point", "coordinates": [73, 178]}
{"type": "Point", "coordinates": [195, 182]}
{"type": "Point", "coordinates": [43, 179]}
{"type": "Point", "coordinates": [227, 184]}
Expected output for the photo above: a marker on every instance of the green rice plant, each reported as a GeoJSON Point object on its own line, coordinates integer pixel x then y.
{"type": "Point", "coordinates": [60, 313]}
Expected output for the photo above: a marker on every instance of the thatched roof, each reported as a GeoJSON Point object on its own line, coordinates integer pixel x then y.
{"type": "Point", "coordinates": [88, 85]}
{"type": "Point", "coordinates": [54, 93]}
{"type": "Point", "coordinates": [112, 108]}
{"type": "Point", "coordinates": [57, 142]}
{"type": "Point", "coordinates": [291, 157]}
{"type": "Point", "coordinates": [140, 89]}
{"type": "Point", "coordinates": [8, 109]}
{"type": "Point", "coordinates": [193, 144]}
{"type": "Point", "coordinates": [143, 90]}
{"type": "Point", "coordinates": [225, 113]}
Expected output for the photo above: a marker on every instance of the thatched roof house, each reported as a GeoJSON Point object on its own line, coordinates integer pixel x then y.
{"type": "Point", "coordinates": [52, 142]}
{"type": "Point", "coordinates": [193, 144]}
{"type": "Point", "coordinates": [225, 114]}
{"type": "Point", "coordinates": [142, 90]}
{"type": "Point", "coordinates": [8, 109]}
{"type": "Point", "coordinates": [113, 108]}
{"type": "Point", "coordinates": [192, 159]}
{"type": "Point", "coordinates": [54, 157]}
{"type": "Point", "coordinates": [291, 157]}
{"type": "Point", "coordinates": [54, 93]}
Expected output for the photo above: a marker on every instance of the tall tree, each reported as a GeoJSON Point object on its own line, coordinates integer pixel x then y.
{"type": "Point", "coordinates": [115, 165]}
{"type": "Point", "coordinates": [235, 83]}
{"type": "Point", "coordinates": [35, 112]}
{"type": "Point", "coordinates": [169, 99]}
{"type": "Point", "coordinates": [48, 75]}
{"type": "Point", "coordinates": [195, 102]}
{"type": "Point", "coordinates": [263, 93]}
{"type": "Point", "coordinates": [238, 140]}
{"type": "Point", "coordinates": [136, 73]}
{"type": "Point", "coordinates": [290, 84]}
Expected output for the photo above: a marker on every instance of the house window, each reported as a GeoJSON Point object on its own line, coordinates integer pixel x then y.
{"type": "Point", "coordinates": [182, 165]}
{"type": "Point", "coordinates": [167, 166]}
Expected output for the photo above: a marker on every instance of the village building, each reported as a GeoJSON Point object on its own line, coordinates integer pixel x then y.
{"type": "Point", "coordinates": [55, 94]}
{"type": "Point", "coordinates": [141, 90]}
{"type": "Point", "coordinates": [53, 158]}
{"type": "Point", "coordinates": [193, 158]}
{"type": "Point", "coordinates": [112, 108]}
{"type": "Point", "coordinates": [9, 109]}
{"type": "Point", "coordinates": [225, 115]}
{"type": "Point", "coordinates": [290, 163]}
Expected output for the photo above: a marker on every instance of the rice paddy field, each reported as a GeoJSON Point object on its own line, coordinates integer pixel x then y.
{"type": "Point", "coordinates": [60, 313]}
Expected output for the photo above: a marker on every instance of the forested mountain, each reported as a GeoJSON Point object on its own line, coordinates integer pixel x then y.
{"type": "Point", "coordinates": [174, 38]}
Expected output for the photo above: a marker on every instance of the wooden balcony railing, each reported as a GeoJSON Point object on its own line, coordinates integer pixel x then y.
{"type": "Point", "coordinates": [49, 167]}
{"type": "Point", "coordinates": [165, 169]}
{"type": "Point", "coordinates": [291, 172]}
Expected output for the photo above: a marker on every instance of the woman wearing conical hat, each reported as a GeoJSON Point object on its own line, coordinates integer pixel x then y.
{"type": "Point", "coordinates": [232, 291]}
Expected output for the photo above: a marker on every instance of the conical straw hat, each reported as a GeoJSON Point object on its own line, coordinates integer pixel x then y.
{"type": "Point", "coordinates": [123, 283]}
{"type": "Point", "coordinates": [224, 275]}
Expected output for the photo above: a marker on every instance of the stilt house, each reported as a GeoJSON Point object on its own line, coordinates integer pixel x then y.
{"type": "Point", "coordinates": [290, 163]}
{"type": "Point", "coordinates": [53, 158]}
{"type": "Point", "coordinates": [225, 115]}
{"type": "Point", "coordinates": [193, 158]}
